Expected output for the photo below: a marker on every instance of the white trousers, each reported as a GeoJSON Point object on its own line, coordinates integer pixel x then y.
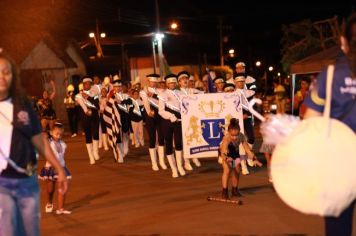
{"type": "Point", "coordinates": [137, 128]}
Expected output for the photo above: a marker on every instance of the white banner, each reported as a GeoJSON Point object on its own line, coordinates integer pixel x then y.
{"type": "Point", "coordinates": [204, 120]}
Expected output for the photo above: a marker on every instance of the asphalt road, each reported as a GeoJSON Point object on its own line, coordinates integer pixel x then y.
{"type": "Point", "coordinates": [130, 199]}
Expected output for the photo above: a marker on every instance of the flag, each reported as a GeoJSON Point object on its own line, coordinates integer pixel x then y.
{"type": "Point", "coordinates": [211, 87]}
{"type": "Point", "coordinates": [113, 124]}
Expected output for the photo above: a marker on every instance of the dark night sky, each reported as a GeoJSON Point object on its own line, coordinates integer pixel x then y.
{"type": "Point", "coordinates": [254, 27]}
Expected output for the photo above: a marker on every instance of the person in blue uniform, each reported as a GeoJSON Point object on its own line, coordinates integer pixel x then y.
{"type": "Point", "coordinates": [343, 108]}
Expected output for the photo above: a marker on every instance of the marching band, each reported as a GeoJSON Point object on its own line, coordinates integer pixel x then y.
{"type": "Point", "coordinates": [156, 106]}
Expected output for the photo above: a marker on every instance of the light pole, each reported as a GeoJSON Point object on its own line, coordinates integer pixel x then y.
{"type": "Point", "coordinates": [154, 55]}
{"type": "Point", "coordinates": [96, 38]}
{"type": "Point", "coordinates": [221, 41]}
{"type": "Point", "coordinates": [158, 38]}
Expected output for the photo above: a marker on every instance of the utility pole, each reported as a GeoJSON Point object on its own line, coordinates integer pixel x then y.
{"type": "Point", "coordinates": [154, 56]}
{"type": "Point", "coordinates": [221, 41]}
{"type": "Point", "coordinates": [97, 40]}
{"type": "Point", "coordinates": [123, 62]}
{"type": "Point", "coordinates": [158, 37]}
{"type": "Point", "coordinates": [157, 16]}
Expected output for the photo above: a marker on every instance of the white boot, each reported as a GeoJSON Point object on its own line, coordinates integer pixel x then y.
{"type": "Point", "coordinates": [161, 157]}
{"type": "Point", "coordinates": [172, 164]}
{"type": "Point", "coordinates": [96, 150]}
{"type": "Point", "coordinates": [100, 138]}
{"type": "Point", "coordinates": [179, 160]}
{"type": "Point", "coordinates": [187, 164]}
{"type": "Point", "coordinates": [244, 169]}
{"type": "Point", "coordinates": [196, 162]}
{"type": "Point", "coordinates": [153, 156]}
{"type": "Point", "coordinates": [132, 139]}
{"type": "Point", "coordinates": [105, 141]}
{"type": "Point", "coordinates": [250, 162]}
{"type": "Point", "coordinates": [90, 153]}
{"type": "Point", "coordinates": [126, 139]}
{"type": "Point", "coordinates": [120, 154]}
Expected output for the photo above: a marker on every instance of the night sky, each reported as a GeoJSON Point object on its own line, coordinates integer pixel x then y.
{"type": "Point", "coordinates": [253, 28]}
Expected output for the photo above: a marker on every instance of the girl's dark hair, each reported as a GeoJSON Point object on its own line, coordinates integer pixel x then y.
{"type": "Point", "coordinates": [234, 124]}
{"type": "Point", "coordinates": [306, 79]}
{"type": "Point", "coordinates": [350, 36]}
{"type": "Point", "coordinates": [15, 92]}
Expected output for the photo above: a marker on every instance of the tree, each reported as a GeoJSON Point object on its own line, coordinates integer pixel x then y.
{"type": "Point", "coordinates": [304, 38]}
{"type": "Point", "coordinates": [298, 41]}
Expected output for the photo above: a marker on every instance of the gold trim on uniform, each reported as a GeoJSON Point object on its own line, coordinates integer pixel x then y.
{"type": "Point", "coordinates": [316, 99]}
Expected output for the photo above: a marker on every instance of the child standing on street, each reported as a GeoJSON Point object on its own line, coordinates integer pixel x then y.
{"type": "Point", "coordinates": [230, 157]}
{"type": "Point", "coordinates": [49, 174]}
{"type": "Point", "coordinates": [136, 116]}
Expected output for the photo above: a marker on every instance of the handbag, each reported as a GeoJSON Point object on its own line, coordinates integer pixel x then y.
{"type": "Point", "coordinates": [314, 168]}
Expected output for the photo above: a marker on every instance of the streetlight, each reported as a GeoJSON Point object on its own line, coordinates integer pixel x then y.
{"type": "Point", "coordinates": [258, 63]}
{"type": "Point", "coordinates": [279, 74]}
{"type": "Point", "coordinates": [159, 36]}
{"type": "Point", "coordinates": [92, 35]}
{"type": "Point", "coordinates": [231, 52]}
{"type": "Point", "coordinates": [270, 68]}
{"type": "Point", "coordinates": [174, 26]}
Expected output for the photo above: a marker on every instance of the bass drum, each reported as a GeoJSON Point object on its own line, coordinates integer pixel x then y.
{"type": "Point", "coordinates": [314, 169]}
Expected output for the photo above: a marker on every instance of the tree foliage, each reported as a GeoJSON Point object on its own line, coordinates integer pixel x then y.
{"type": "Point", "coordinates": [299, 40]}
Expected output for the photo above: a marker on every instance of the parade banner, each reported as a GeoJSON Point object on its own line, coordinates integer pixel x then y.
{"type": "Point", "coordinates": [205, 117]}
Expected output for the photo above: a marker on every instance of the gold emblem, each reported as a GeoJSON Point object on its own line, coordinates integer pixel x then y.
{"type": "Point", "coordinates": [211, 108]}
{"type": "Point", "coordinates": [193, 131]}
{"type": "Point", "coordinates": [227, 122]}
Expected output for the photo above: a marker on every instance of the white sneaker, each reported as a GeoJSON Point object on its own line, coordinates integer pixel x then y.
{"type": "Point", "coordinates": [63, 212]}
{"type": "Point", "coordinates": [175, 174]}
{"type": "Point", "coordinates": [254, 162]}
{"type": "Point", "coordinates": [187, 165]}
{"type": "Point", "coordinates": [49, 208]}
{"type": "Point", "coordinates": [244, 169]}
{"type": "Point", "coordinates": [196, 162]}
{"type": "Point", "coordinates": [250, 162]}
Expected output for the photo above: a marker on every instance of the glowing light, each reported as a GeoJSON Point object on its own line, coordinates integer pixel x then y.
{"type": "Point", "coordinates": [174, 26]}
{"type": "Point", "coordinates": [159, 36]}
